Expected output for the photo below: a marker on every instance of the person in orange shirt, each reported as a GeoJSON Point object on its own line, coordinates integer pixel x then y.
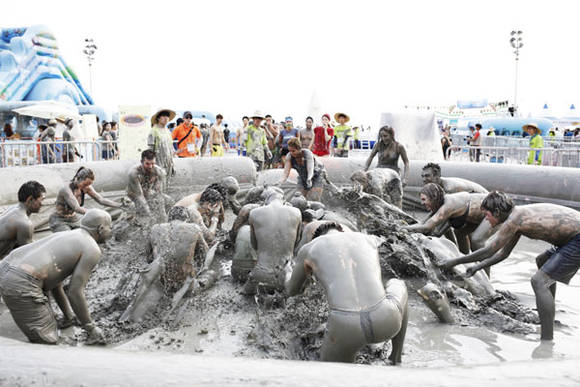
{"type": "Point", "coordinates": [186, 135]}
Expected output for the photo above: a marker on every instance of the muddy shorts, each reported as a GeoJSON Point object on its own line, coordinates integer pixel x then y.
{"type": "Point", "coordinates": [58, 223]}
{"type": "Point", "coordinates": [317, 181]}
{"type": "Point", "coordinates": [564, 261]}
{"type": "Point", "coordinates": [29, 306]}
{"type": "Point", "coordinates": [267, 279]}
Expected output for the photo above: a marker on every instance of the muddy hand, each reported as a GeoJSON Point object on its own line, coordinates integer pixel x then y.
{"type": "Point", "coordinates": [96, 336]}
{"type": "Point", "coordinates": [446, 264]}
{"type": "Point", "coordinates": [471, 271]}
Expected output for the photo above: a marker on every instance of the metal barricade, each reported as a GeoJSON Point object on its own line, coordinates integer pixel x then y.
{"type": "Point", "coordinates": [557, 157]}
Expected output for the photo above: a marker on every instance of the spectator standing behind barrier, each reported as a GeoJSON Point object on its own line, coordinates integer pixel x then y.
{"type": "Point", "coordinates": [186, 135]}
{"type": "Point", "coordinates": [322, 136]}
{"type": "Point", "coordinates": [342, 133]}
{"type": "Point", "coordinates": [240, 134]}
{"type": "Point", "coordinates": [445, 142]}
{"type": "Point", "coordinates": [115, 136]}
{"type": "Point", "coordinates": [256, 144]}
{"type": "Point", "coordinates": [48, 151]}
{"type": "Point", "coordinates": [218, 142]}
{"type": "Point", "coordinates": [476, 141]}
{"type": "Point", "coordinates": [69, 149]}
{"type": "Point", "coordinates": [107, 141]}
{"type": "Point", "coordinates": [536, 141]}
{"type": "Point", "coordinates": [160, 141]}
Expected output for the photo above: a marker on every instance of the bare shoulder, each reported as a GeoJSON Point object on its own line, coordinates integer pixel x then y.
{"type": "Point", "coordinates": [159, 171]}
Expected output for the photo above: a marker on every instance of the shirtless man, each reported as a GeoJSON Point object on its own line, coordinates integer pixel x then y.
{"type": "Point", "coordinates": [28, 273]}
{"type": "Point", "coordinates": [218, 141]}
{"type": "Point", "coordinates": [16, 229]}
{"type": "Point", "coordinates": [206, 211]}
{"type": "Point", "coordinates": [383, 182]}
{"type": "Point", "coordinates": [432, 174]}
{"type": "Point", "coordinates": [306, 135]}
{"type": "Point", "coordinates": [361, 312]}
{"type": "Point", "coordinates": [275, 229]}
{"type": "Point", "coordinates": [174, 245]}
{"type": "Point", "coordinates": [228, 187]}
{"type": "Point", "coordinates": [146, 185]}
{"type": "Point", "coordinates": [552, 223]}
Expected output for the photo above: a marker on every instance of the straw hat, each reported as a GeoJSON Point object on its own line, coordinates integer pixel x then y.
{"type": "Point", "coordinates": [531, 125]}
{"type": "Point", "coordinates": [257, 114]}
{"type": "Point", "coordinates": [341, 114]}
{"type": "Point", "coordinates": [154, 117]}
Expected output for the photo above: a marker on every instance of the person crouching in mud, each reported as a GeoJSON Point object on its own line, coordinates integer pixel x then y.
{"type": "Point", "coordinates": [552, 223]}
{"type": "Point", "coordinates": [274, 228]}
{"type": "Point", "coordinates": [361, 311]}
{"type": "Point", "coordinates": [71, 198]}
{"type": "Point", "coordinates": [29, 272]}
{"type": "Point", "coordinates": [310, 170]}
{"type": "Point", "coordinates": [431, 173]}
{"type": "Point", "coordinates": [146, 185]}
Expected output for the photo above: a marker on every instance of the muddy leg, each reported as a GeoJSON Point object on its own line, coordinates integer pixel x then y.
{"type": "Point", "coordinates": [315, 194]}
{"type": "Point", "coordinates": [545, 303]}
{"type": "Point", "coordinates": [540, 260]}
{"type": "Point", "coordinates": [399, 290]}
{"type": "Point", "coordinates": [342, 339]}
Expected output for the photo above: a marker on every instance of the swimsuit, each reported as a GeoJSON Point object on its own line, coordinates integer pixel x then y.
{"type": "Point", "coordinates": [460, 221]}
{"type": "Point", "coordinates": [564, 261]}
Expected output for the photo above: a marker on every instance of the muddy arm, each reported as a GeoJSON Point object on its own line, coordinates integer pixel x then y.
{"type": "Point", "coordinates": [24, 233]}
{"type": "Point", "coordinates": [135, 192]}
{"type": "Point", "coordinates": [71, 200]}
{"type": "Point", "coordinates": [496, 258]}
{"type": "Point", "coordinates": [403, 153]}
{"type": "Point", "coordinates": [62, 302]}
{"type": "Point", "coordinates": [371, 156]}
{"type": "Point", "coordinates": [79, 278]}
{"type": "Point", "coordinates": [430, 224]}
{"type": "Point", "coordinates": [287, 168]}
{"type": "Point", "coordinates": [294, 282]}
{"type": "Point", "coordinates": [101, 200]}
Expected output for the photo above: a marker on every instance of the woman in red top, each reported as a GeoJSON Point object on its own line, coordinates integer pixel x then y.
{"type": "Point", "coordinates": [322, 137]}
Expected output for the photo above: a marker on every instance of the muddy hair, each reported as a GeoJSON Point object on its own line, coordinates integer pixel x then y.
{"type": "Point", "coordinates": [295, 143]}
{"type": "Point", "coordinates": [499, 204]}
{"type": "Point", "coordinates": [211, 195]}
{"type": "Point", "coordinates": [434, 167]}
{"type": "Point", "coordinates": [220, 188]}
{"type": "Point", "coordinates": [148, 154]}
{"type": "Point", "coordinates": [326, 227]}
{"type": "Point", "coordinates": [30, 188]}
{"type": "Point", "coordinates": [435, 194]}
{"type": "Point", "coordinates": [387, 129]}
{"type": "Point", "coordinates": [178, 213]}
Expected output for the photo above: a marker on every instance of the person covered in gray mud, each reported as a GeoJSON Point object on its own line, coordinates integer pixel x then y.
{"type": "Point", "coordinates": [361, 310]}
{"type": "Point", "coordinates": [275, 230]}
{"type": "Point", "coordinates": [174, 246]}
{"type": "Point", "coordinates": [551, 223]}
{"type": "Point", "coordinates": [389, 152]}
{"type": "Point", "coordinates": [146, 185]}
{"type": "Point", "coordinates": [228, 187]}
{"type": "Point", "coordinates": [383, 182]}
{"type": "Point", "coordinates": [16, 229]}
{"type": "Point", "coordinates": [245, 256]}
{"type": "Point", "coordinates": [30, 272]}
{"type": "Point", "coordinates": [160, 141]}
{"type": "Point", "coordinates": [310, 171]}
{"type": "Point", "coordinates": [461, 211]}
{"type": "Point", "coordinates": [206, 210]}
{"type": "Point", "coordinates": [431, 173]}
{"type": "Point", "coordinates": [71, 198]}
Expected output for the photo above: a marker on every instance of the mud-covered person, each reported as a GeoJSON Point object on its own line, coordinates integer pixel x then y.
{"type": "Point", "coordinates": [71, 199]}
{"type": "Point", "coordinates": [275, 230]}
{"type": "Point", "coordinates": [161, 142]}
{"type": "Point", "coordinates": [16, 229]}
{"type": "Point", "coordinates": [30, 272]}
{"type": "Point", "coordinates": [256, 145]}
{"type": "Point", "coordinates": [431, 173]}
{"type": "Point", "coordinates": [389, 152]}
{"type": "Point", "coordinates": [306, 135]}
{"type": "Point", "coordinates": [361, 311]}
{"type": "Point", "coordinates": [310, 170]}
{"type": "Point", "coordinates": [551, 223]}
{"type": "Point", "coordinates": [382, 182]}
{"type": "Point", "coordinates": [146, 186]}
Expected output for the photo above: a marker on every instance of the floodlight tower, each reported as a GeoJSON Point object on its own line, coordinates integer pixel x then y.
{"type": "Point", "coordinates": [516, 42]}
{"type": "Point", "coordinates": [89, 51]}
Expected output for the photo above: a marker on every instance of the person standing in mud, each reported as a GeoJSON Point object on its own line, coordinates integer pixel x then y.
{"type": "Point", "coordinates": [161, 142]}
{"type": "Point", "coordinates": [16, 229]}
{"type": "Point", "coordinates": [256, 145]}
{"type": "Point", "coordinates": [462, 211]}
{"type": "Point", "coordinates": [71, 198]}
{"type": "Point", "coordinates": [30, 272]}
{"type": "Point", "coordinates": [310, 170]}
{"type": "Point", "coordinates": [322, 136]}
{"type": "Point", "coordinates": [431, 173]}
{"type": "Point", "coordinates": [146, 185]}
{"type": "Point", "coordinates": [389, 152]}
{"type": "Point", "coordinates": [342, 134]}
{"type": "Point", "coordinates": [383, 182]}
{"type": "Point", "coordinates": [281, 221]}
{"type": "Point", "coordinates": [551, 223]}
{"type": "Point", "coordinates": [361, 311]}
{"type": "Point", "coordinates": [306, 135]}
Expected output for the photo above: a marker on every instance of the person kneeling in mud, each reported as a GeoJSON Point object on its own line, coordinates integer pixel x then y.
{"type": "Point", "coordinates": [174, 246]}
{"type": "Point", "coordinates": [361, 311]}
{"type": "Point", "coordinates": [382, 182]}
{"type": "Point", "coordinates": [274, 231]}
{"type": "Point", "coordinates": [146, 186]}
{"type": "Point", "coordinates": [31, 271]}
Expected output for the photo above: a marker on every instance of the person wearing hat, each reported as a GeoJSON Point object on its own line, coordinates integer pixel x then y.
{"type": "Point", "coordinates": [342, 133]}
{"type": "Point", "coordinates": [186, 134]}
{"type": "Point", "coordinates": [256, 144]}
{"type": "Point", "coordinates": [536, 141]}
{"type": "Point", "coordinates": [160, 140]}
{"type": "Point", "coordinates": [322, 136]}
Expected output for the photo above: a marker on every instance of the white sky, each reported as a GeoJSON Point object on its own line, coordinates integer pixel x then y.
{"type": "Point", "coordinates": [361, 57]}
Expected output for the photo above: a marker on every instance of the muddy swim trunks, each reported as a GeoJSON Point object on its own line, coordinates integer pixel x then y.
{"type": "Point", "coordinates": [564, 261]}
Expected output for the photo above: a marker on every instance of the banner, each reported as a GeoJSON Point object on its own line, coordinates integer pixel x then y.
{"type": "Point", "coordinates": [88, 128]}
{"type": "Point", "coordinates": [134, 127]}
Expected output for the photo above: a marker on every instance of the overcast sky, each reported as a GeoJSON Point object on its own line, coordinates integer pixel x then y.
{"type": "Point", "coordinates": [361, 57]}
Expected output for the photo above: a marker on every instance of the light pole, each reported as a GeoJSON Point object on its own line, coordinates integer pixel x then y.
{"type": "Point", "coordinates": [89, 51]}
{"type": "Point", "coordinates": [516, 42]}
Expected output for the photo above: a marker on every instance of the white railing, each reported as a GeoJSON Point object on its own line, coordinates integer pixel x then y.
{"type": "Point", "coordinates": [557, 157]}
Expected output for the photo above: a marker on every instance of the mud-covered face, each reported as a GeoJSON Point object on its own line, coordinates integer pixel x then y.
{"type": "Point", "coordinates": [428, 176]}
{"type": "Point", "coordinates": [295, 152]}
{"type": "Point", "coordinates": [386, 137]}
{"type": "Point", "coordinates": [491, 218]}
{"type": "Point", "coordinates": [426, 202]}
{"type": "Point", "coordinates": [148, 164]}
{"type": "Point", "coordinates": [33, 205]}
{"type": "Point", "coordinates": [85, 183]}
{"type": "Point", "coordinates": [105, 232]}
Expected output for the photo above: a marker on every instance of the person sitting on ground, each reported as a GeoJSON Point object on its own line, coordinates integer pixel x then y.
{"type": "Point", "coordinates": [146, 186]}
{"type": "Point", "coordinates": [383, 182]}
{"type": "Point", "coordinates": [389, 152]}
{"type": "Point", "coordinates": [174, 246]}
{"type": "Point", "coordinates": [460, 210]}
{"type": "Point", "coordinates": [275, 229]}
{"type": "Point", "coordinates": [29, 272]}
{"type": "Point", "coordinates": [310, 170]}
{"type": "Point", "coordinates": [431, 173]}
{"type": "Point", "coordinates": [552, 223]}
{"type": "Point", "coordinates": [361, 311]}
{"type": "Point", "coordinates": [71, 198]}
{"type": "Point", "coordinates": [16, 229]}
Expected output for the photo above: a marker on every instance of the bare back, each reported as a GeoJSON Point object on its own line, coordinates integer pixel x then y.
{"type": "Point", "coordinates": [457, 184]}
{"type": "Point", "coordinates": [15, 230]}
